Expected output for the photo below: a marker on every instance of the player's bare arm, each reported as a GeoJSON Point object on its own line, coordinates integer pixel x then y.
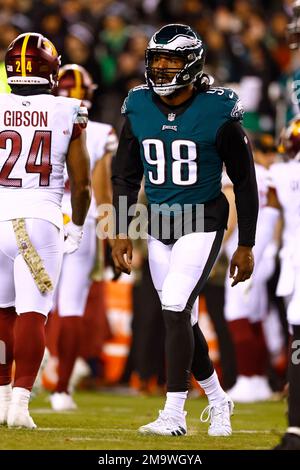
{"type": "Point", "coordinates": [232, 217]}
{"type": "Point", "coordinates": [101, 182]}
{"type": "Point", "coordinates": [272, 199]}
{"type": "Point", "coordinates": [78, 166]}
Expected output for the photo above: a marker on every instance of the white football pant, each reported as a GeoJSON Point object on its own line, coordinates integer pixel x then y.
{"type": "Point", "coordinates": [180, 270]}
{"type": "Point", "coordinates": [17, 286]}
{"type": "Point", "coordinates": [74, 283]}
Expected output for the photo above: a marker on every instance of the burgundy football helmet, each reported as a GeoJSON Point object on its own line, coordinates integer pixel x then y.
{"type": "Point", "coordinates": [75, 82]}
{"type": "Point", "coordinates": [31, 59]}
{"type": "Point", "coordinates": [290, 139]}
{"type": "Point", "coordinates": [293, 31]}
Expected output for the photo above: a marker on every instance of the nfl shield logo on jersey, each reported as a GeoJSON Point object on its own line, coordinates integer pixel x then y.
{"type": "Point", "coordinates": [171, 116]}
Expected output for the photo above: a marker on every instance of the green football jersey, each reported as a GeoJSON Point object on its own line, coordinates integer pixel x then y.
{"type": "Point", "coordinates": [180, 159]}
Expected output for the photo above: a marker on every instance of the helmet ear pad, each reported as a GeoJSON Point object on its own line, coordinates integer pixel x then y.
{"type": "Point", "coordinates": [190, 72]}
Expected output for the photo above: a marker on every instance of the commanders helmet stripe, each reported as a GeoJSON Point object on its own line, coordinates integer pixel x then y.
{"type": "Point", "coordinates": [78, 83]}
{"type": "Point", "coordinates": [23, 55]}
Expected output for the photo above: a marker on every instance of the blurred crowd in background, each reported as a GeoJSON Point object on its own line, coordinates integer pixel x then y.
{"type": "Point", "coordinates": [245, 39]}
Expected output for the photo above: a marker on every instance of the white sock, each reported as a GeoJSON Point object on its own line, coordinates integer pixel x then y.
{"type": "Point", "coordinates": [294, 430]}
{"type": "Point", "coordinates": [175, 403]}
{"type": "Point", "coordinates": [5, 392]}
{"type": "Point", "coordinates": [213, 389]}
{"type": "Point", "coordinates": [20, 397]}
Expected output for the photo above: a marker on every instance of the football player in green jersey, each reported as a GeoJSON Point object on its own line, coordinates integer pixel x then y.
{"type": "Point", "coordinates": [178, 132]}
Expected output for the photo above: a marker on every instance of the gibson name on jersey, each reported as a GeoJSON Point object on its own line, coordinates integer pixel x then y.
{"type": "Point", "coordinates": [25, 118]}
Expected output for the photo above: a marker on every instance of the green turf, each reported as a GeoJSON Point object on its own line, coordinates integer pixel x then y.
{"type": "Point", "coordinates": [107, 422]}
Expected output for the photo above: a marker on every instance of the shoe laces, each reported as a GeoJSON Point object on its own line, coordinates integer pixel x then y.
{"type": "Point", "coordinates": [167, 420]}
{"type": "Point", "coordinates": [215, 413]}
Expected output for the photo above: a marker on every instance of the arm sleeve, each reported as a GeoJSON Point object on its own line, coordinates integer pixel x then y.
{"type": "Point", "coordinates": [127, 174]}
{"type": "Point", "coordinates": [234, 148]}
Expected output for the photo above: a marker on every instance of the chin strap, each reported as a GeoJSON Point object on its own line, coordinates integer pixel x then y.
{"type": "Point", "coordinates": [31, 257]}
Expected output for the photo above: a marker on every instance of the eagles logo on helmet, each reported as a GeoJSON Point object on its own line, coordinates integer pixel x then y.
{"type": "Point", "coordinates": [31, 59]}
{"type": "Point", "coordinates": [75, 82]}
{"type": "Point", "coordinates": [182, 42]}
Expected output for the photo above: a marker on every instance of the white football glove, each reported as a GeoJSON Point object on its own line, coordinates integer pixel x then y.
{"type": "Point", "coordinates": [73, 236]}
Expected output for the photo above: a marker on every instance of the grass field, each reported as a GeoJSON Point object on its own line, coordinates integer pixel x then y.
{"type": "Point", "coordinates": [110, 422]}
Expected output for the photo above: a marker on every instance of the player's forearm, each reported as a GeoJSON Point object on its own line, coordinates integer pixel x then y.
{"type": "Point", "coordinates": [127, 174]}
{"type": "Point", "coordinates": [247, 211]}
{"type": "Point", "coordinates": [124, 198]}
{"type": "Point", "coordinates": [80, 201]}
{"type": "Point", "coordinates": [234, 148]}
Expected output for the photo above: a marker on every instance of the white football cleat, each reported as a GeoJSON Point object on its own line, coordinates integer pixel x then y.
{"type": "Point", "coordinates": [166, 425]}
{"type": "Point", "coordinates": [243, 390]}
{"type": "Point", "coordinates": [18, 414]}
{"type": "Point", "coordinates": [219, 416]}
{"type": "Point", "coordinates": [5, 399]}
{"type": "Point", "coordinates": [261, 388]}
{"type": "Point", "coordinates": [62, 402]}
{"type": "Point", "coordinates": [17, 417]}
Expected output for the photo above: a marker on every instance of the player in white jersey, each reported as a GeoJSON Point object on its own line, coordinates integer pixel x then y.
{"type": "Point", "coordinates": [74, 81]}
{"type": "Point", "coordinates": [245, 307]}
{"type": "Point", "coordinates": [284, 196]}
{"type": "Point", "coordinates": [39, 134]}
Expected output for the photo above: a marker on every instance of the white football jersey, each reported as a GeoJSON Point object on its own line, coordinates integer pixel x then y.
{"type": "Point", "coordinates": [285, 178]}
{"type": "Point", "coordinates": [262, 178]}
{"type": "Point", "coordinates": [35, 133]}
{"type": "Point", "coordinates": [100, 138]}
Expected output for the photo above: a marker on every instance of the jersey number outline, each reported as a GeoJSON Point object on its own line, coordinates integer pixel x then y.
{"type": "Point", "coordinates": [41, 144]}
{"type": "Point", "coordinates": [178, 147]}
